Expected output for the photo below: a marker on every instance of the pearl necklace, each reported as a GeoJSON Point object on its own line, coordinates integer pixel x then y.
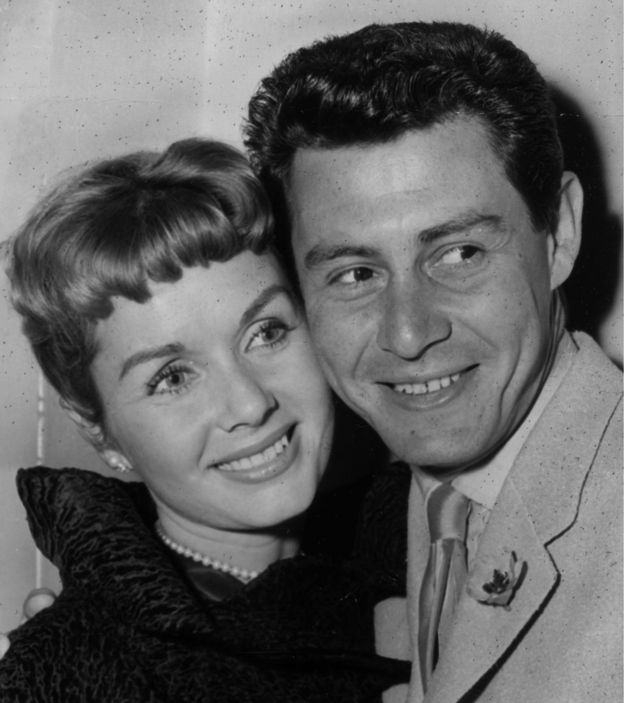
{"type": "Point", "coordinates": [244, 575]}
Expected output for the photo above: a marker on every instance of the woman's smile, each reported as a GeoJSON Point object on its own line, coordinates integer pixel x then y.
{"type": "Point", "coordinates": [257, 453]}
{"type": "Point", "coordinates": [263, 465]}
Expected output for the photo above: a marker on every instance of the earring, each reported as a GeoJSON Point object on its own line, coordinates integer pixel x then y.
{"type": "Point", "coordinates": [118, 464]}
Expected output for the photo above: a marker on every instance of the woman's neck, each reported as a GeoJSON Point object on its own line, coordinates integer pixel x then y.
{"type": "Point", "coordinates": [250, 550]}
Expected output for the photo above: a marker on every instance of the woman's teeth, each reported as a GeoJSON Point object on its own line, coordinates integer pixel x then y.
{"type": "Point", "coordinates": [255, 460]}
{"type": "Point", "coordinates": [429, 387]}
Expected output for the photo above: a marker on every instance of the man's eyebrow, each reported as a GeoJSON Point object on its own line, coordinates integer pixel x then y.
{"type": "Point", "coordinates": [460, 224]}
{"type": "Point", "coordinates": [321, 253]}
{"type": "Point", "coordinates": [262, 300]}
{"type": "Point", "coordinates": [145, 355]}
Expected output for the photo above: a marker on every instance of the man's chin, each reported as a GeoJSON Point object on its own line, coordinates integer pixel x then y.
{"type": "Point", "coordinates": [440, 458]}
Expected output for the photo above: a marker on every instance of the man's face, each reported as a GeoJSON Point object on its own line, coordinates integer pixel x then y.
{"type": "Point", "coordinates": [427, 289]}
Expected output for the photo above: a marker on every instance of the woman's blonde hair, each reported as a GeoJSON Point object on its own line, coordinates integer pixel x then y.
{"type": "Point", "coordinates": [114, 227]}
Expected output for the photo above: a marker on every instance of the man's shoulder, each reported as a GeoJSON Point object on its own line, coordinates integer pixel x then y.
{"type": "Point", "coordinates": [591, 360]}
{"type": "Point", "coordinates": [576, 440]}
{"type": "Point", "coordinates": [591, 385]}
{"type": "Point", "coordinates": [585, 404]}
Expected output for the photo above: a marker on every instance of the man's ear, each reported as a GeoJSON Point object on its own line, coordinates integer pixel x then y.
{"type": "Point", "coordinates": [95, 435]}
{"type": "Point", "coordinates": [565, 242]}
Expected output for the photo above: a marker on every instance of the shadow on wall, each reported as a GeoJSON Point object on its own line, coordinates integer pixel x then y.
{"type": "Point", "coordinates": [591, 289]}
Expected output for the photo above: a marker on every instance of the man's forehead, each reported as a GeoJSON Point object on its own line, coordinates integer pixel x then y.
{"type": "Point", "coordinates": [412, 185]}
{"type": "Point", "coordinates": [405, 163]}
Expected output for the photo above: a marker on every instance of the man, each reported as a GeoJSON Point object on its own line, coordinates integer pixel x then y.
{"type": "Point", "coordinates": [431, 227]}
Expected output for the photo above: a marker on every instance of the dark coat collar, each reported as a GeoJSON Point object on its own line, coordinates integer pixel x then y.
{"type": "Point", "coordinates": [311, 610]}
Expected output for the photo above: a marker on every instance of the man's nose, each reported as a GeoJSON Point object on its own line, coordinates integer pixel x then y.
{"type": "Point", "coordinates": [411, 320]}
{"type": "Point", "coordinates": [247, 402]}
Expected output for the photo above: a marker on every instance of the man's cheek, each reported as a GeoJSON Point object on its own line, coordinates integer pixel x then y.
{"type": "Point", "coordinates": [332, 344]}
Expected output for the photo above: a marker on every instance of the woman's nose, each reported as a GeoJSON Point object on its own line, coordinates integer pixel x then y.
{"type": "Point", "coordinates": [410, 321]}
{"type": "Point", "coordinates": [247, 400]}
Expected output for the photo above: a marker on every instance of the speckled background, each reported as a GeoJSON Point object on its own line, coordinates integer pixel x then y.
{"type": "Point", "coordinates": [83, 79]}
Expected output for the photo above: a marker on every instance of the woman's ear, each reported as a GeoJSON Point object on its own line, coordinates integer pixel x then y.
{"type": "Point", "coordinates": [565, 242]}
{"type": "Point", "coordinates": [95, 435]}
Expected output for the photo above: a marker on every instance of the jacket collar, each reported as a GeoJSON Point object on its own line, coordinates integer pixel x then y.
{"type": "Point", "coordinates": [96, 531]}
{"type": "Point", "coordinates": [484, 633]}
{"type": "Point", "coordinates": [552, 467]}
{"type": "Point", "coordinates": [90, 527]}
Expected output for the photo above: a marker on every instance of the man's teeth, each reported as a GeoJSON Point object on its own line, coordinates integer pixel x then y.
{"type": "Point", "coordinates": [256, 460]}
{"type": "Point", "coordinates": [429, 387]}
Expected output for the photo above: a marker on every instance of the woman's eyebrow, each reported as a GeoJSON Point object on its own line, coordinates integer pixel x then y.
{"type": "Point", "coordinates": [255, 308]}
{"type": "Point", "coordinates": [262, 300]}
{"type": "Point", "coordinates": [145, 355]}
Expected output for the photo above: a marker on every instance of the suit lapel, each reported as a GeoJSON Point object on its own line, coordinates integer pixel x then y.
{"type": "Point", "coordinates": [483, 632]}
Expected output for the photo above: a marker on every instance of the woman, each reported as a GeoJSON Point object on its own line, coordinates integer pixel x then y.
{"type": "Point", "coordinates": [156, 309]}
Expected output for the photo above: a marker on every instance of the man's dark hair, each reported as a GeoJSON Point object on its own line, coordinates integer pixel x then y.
{"type": "Point", "coordinates": [375, 84]}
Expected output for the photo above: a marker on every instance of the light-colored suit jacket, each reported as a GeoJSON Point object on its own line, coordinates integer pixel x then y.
{"type": "Point", "coordinates": [560, 511]}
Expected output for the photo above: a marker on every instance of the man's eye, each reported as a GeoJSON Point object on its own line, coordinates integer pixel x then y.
{"type": "Point", "coordinates": [353, 276]}
{"type": "Point", "coordinates": [457, 255]}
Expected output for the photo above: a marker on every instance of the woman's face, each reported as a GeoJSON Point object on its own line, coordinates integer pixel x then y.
{"type": "Point", "coordinates": [212, 392]}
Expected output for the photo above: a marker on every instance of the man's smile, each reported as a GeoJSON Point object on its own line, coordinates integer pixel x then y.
{"type": "Point", "coordinates": [435, 384]}
{"type": "Point", "coordinates": [420, 394]}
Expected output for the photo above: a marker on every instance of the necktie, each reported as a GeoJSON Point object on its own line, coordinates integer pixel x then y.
{"type": "Point", "coordinates": [447, 513]}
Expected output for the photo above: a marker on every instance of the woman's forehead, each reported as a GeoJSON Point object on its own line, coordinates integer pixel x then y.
{"type": "Point", "coordinates": [204, 303]}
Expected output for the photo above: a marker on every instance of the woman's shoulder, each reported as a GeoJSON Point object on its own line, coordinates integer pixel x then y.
{"type": "Point", "coordinates": [72, 512]}
{"type": "Point", "coordinates": [42, 486]}
{"type": "Point", "coordinates": [67, 653]}
{"type": "Point", "coordinates": [54, 641]}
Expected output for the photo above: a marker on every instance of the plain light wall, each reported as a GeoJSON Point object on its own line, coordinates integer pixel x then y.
{"type": "Point", "coordinates": [86, 79]}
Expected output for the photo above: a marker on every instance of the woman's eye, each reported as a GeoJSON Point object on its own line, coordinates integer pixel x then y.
{"type": "Point", "coordinates": [353, 276]}
{"type": "Point", "coordinates": [171, 379]}
{"type": "Point", "coordinates": [457, 255]}
{"type": "Point", "coordinates": [270, 334]}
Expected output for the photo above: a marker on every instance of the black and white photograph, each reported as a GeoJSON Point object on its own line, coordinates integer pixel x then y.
{"type": "Point", "coordinates": [311, 351]}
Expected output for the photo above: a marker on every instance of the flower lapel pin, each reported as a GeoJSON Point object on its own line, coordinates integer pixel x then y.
{"type": "Point", "coordinates": [497, 585]}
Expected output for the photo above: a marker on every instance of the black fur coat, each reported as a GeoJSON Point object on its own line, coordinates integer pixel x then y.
{"type": "Point", "coordinates": [128, 627]}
